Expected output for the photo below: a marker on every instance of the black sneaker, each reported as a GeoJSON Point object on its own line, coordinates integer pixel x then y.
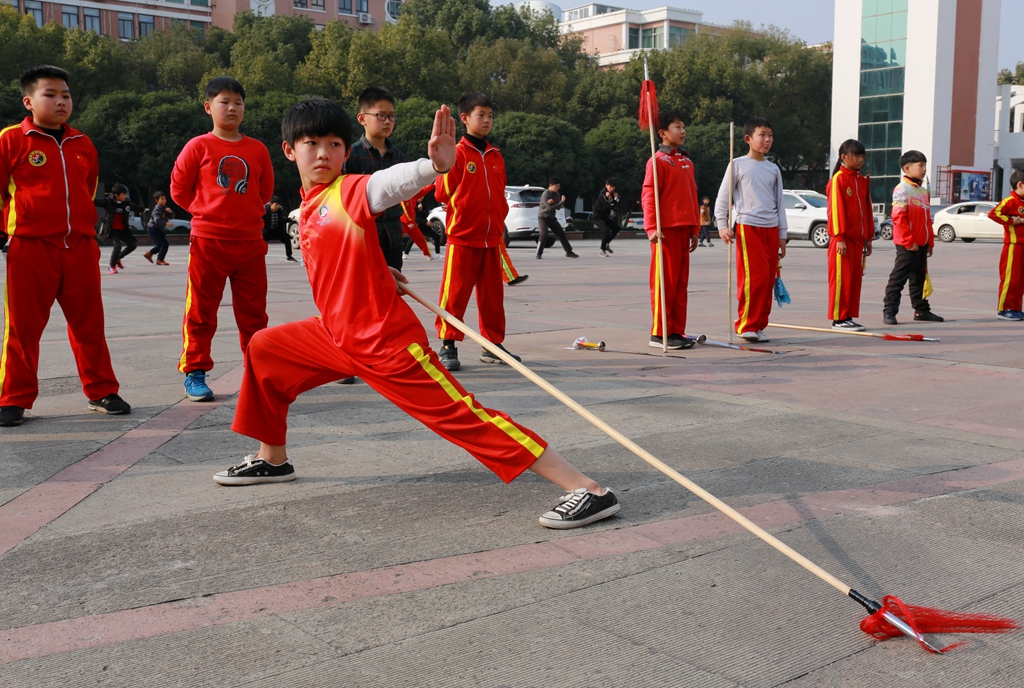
{"type": "Point", "coordinates": [580, 508]}
{"type": "Point", "coordinates": [518, 280]}
{"type": "Point", "coordinates": [290, 259]}
{"type": "Point", "coordinates": [672, 343]}
{"type": "Point", "coordinates": [254, 470]}
{"type": "Point", "coordinates": [345, 381]}
{"type": "Point", "coordinates": [450, 357]}
{"type": "Point", "coordinates": [928, 316]}
{"type": "Point", "coordinates": [11, 416]}
{"type": "Point", "coordinates": [847, 325]}
{"type": "Point", "coordinates": [678, 341]}
{"type": "Point", "coordinates": [487, 357]}
{"type": "Point", "coordinates": [571, 254]}
{"type": "Point", "coordinates": [609, 249]}
{"type": "Point", "coordinates": [111, 404]}
{"type": "Point", "coordinates": [889, 319]}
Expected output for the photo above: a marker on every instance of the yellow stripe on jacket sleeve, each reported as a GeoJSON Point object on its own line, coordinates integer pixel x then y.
{"type": "Point", "coordinates": [1003, 217]}
{"type": "Point", "coordinates": [835, 205]}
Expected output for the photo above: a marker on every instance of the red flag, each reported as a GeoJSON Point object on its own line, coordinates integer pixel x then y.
{"type": "Point", "coordinates": [648, 104]}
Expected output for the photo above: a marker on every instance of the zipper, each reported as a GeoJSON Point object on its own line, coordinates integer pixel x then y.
{"type": "Point", "coordinates": [487, 183]}
{"type": "Point", "coordinates": [64, 171]}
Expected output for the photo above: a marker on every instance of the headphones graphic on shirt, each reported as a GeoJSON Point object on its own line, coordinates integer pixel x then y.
{"type": "Point", "coordinates": [233, 168]}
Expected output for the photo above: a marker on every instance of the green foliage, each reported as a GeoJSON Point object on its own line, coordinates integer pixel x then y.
{"type": "Point", "coordinates": [620, 150]}
{"type": "Point", "coordinates": [1007, 76]}
{"type": "Point", "coordinates": [412, 130]}
{"type": "Point", "coordinates": [536, 147]}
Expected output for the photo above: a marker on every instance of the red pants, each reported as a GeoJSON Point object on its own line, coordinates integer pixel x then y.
{"type": "Point", "coordinates": [845, 274]}
{"type": "Point", "coordinates": [211, 262]}
{"type": "Point", "coordinates": [287, 360]}
{"type": "Point", "coordinates": [508, 270]}
{"type": "Point", "coordinates": [1011, 275]}
{"type": "Point", "coordinates": [676, 257]}
{"type": "Point", "coordinates": [39, 273]}
{"type": "Point", "coordinates": [757, 264]}
{"type": "Point", "coordinates": [465, 268]}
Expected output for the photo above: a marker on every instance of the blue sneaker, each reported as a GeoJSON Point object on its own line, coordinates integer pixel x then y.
{"type": "Point", "coordinates": [1010, 315]}
{"type": "Point", "coordinates": [196, 388]}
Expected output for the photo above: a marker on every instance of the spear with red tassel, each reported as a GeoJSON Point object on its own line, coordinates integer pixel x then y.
{"type": "Point", "coordinates": [648, 111]}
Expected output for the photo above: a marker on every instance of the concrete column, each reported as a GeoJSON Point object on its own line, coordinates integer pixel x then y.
{"type": "Point", "coordinates": [1007, 166]}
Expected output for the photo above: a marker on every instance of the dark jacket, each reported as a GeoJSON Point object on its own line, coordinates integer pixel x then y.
{"type": "Point", "coordinates": [159, 216]}
{"type": "Point", "coordinates": [604, 207]}
{"type": "Point", "coordinates": [366, 159]}
{"type": "Point", "coordinates": [122, 209]}
{"type": "Point", "coordinates": [547, 209]}
{"type": "Point", "coordinates": [274, 221]}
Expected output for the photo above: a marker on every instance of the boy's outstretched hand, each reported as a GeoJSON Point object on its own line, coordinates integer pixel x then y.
{"type": "Point", "coordinates": [441, 147]}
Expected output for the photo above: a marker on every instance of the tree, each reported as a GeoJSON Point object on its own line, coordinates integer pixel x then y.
{"type": "Point", "coordinates": [620, 150]}
{"type": "Point", "coordinates": [263, 117]}
{"type": "Point", "coordinates": [325, 71]}
{"type": "Point", "coordinates": [536, 147]}
{"type": "Point", "coordinates": [267, 50]}
{"type": "Point", "coordinates": [412, 130]}
{"type": "Point", "coordinates": [176, 60]}
{"type": "Point", "coordinates": [518, 75]}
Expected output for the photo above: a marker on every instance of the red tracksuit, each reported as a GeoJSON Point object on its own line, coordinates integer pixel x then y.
{"type": "Point", "coordinates": [508, 270]}
{"type": "Point", "coordinates": [474, 190]}
{"type": "Point", "coordinates": [850, 220]}
{"type": "Point", "coordinates": [365, 330]}
{"type": "Point", "coordinates": [225, 185]}
{"type": "Point", "coordinates": [50, 219]}
{"type": "Point", "coordinates": [1011, 260]}
{"type": "Point", "coordinates": [680, 224]}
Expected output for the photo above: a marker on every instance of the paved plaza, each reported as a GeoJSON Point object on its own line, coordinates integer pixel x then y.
{"type": "Point", "coordinates": [397, 560]}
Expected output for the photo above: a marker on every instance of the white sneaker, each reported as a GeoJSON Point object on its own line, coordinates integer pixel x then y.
{"type": "Point", "coordinates": [750, 336]}
{"type": "Point", "coordinates": [761, 336]}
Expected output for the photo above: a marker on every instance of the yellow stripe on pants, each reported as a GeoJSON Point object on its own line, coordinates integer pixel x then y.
{"type": "Point", "coordinates": [839, 285]}
{"type": "Point", "coordinates": [745, 315]}
{"type": "Point", "coordinates": [657, 289]}
{"type": "Point", "coordinates": [445, 286]}
{"type": "Point", "coordinates": [1008, 273]}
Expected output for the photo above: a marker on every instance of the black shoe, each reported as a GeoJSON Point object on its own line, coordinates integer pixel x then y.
{"type": "Point", "coordinates": [450, 356]}
{"type": "Point", "coordinates": [11, 416]}
{"type": "Point", "coordinates": [292, 259]}
{"type": "Point", "coordinates": [678, 341]}
{"type": "Point", "coordinates": [518, 280]}
{"type": "Point", "coordinates": [672, 343]}
{"type": "Point", "coordinates": [111, 404]}
{"type": "Point", "coordinates": [889, 319]}
{"type": "Point", "coordinates": [570, 254]}
{"type": "Point", "coordinates": [488, 357]}
{"type": "Point", "coordinates": [345, 381]}
{"type": "Point", "coordinates": [609, 249]}
{"type": "Point", "coordinates": [254, 470]}
{"type": "Point", "coordinates": [710, 245]}
{"type": "Point", "coordinates": [579, 508]}
{"type": "Point", "coordinates": [928, 316]}
{"type": "Point", "coordinates": [539, 256]}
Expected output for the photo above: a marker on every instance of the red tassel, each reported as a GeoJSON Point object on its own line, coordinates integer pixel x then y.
{"type": "Point", "coordinates": [904, 337]}
{"type": "Point", "coordinates": [648, 104]}
{"type": "Point", "coordinates": [928, 620]}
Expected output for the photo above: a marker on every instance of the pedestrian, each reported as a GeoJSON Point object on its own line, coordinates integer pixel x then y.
{"type": "Point", "coordinates": [224, 179]}
{"type": "Point", "coordinates": [677, 238]}
{"type": "Point", "coordinates": [474, 190]}
{"type": "Point", "coordinates": [551, 201]}
{"type": "Point", "coordinates": [50, 219]}
{"type": "Point", "coordinates": [365, 328]}
{"type": "Point", "coordinates": [760, 231]}
{"type": "Point", "coordinates": [851, 227]}
{"type": "Point", "coordinates": [605, 215]}
{"type": "Point", "coordinates": [915, 240]}
{"type": "Point", "coordinates": [1010, 214]}
{"type": "Point", "coordinates": [706, 223]}
{"type": "Point", "coordinates": [156, 227]}
{"type": "Point", "coordinates": [275, 226]}
{"type": "Point", "coordinates": [119, 214]}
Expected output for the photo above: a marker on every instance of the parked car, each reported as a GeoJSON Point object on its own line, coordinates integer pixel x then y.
{"type": "Point", "coordinates": [635, 222]}
{"type": "Point", "coordinates": [807, 216]}
{"type": "Point", "coordinates": [293, 228]}
{"type": "Point", "coordinates": [967, 222]}
{"type": "Point", "coordinates": [175, 226]}
{"type": "Point", "coordinates": [521, 221]}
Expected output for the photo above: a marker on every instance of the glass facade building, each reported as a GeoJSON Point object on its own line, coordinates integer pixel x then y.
{"type": "Point", "coordinates": [883, 59]}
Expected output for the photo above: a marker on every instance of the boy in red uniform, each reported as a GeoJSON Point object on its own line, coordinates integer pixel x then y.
{"type": "Point", "coordinates": [474, 190]}
{"type": "Point", "coordinates": [50, 172]}
{"type": "Point", "coordinates": [851, 227]}
{"type": "Point", "coordinates": [1010, 214]}
{"type": "Point", "coordinates": [680, 225]}
{"type": "Point", "coordinates": [224, 179]}
{"type": "Point", "coordinates": [366, 329]}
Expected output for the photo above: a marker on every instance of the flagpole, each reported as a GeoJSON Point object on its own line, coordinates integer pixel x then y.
{"type": "Point", "coordinates": [729, 248]}
{"type": "Point", "coordinates": [657, 224]}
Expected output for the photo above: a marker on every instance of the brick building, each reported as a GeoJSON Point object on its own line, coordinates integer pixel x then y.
{"type": "Point", "coordinates": [118, 18]}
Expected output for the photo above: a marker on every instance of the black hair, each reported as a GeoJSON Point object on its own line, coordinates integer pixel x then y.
{"type": "Point", "coordinates": [910, 157]}
{"type": "Point", "coordinates": [610, 181]}
{"type": "Point", "coordinates": [848, 147]}
{"type": "Point", "coordinates": [667, 117]}
{"type": "Point", "coordinates": [374, 94]}
{"type": "Point", "coordinates": [32, 75]}
{"type": "Point", "coordinates": [1016, 178]}
{"type": "Point", "coordinates": [316, 117]}
{"type": "Point", "coordinates": [157, 195]}
{"type": "Point", "coordinates": [471, 101]}
{"type": "Point", "coordinates": [275, 199]}
{"type": "Point", "coordinates": [118, 189]}
{"type": "Point", "coordinates": [705, 198]}
{"type": "Point", "coordinates": [752, 124]}
{"type": "Point", "coordinates": [217, 85]}
{"type": "Point", "coordinates": [554, 180]}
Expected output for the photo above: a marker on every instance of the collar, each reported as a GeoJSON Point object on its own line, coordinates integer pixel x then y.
{"type": "Point", "coordinates": [912, 180]}
{"type": "Point", "coordinates": [369, 146]}
{"type": "Point", "coordinates": [668, 150]}
{"type": "Point", "coordinates": [27, 125]}
{"type": "Point", "coordinates": [481, 144]}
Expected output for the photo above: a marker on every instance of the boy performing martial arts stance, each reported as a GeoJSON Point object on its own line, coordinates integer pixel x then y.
{"type": "Point", "coordinates": [680, 225]}
{"type": "Point", "coordinates": [224, 179]}
{"type": "Point", "coordinates": [1010, 214]}
{"type": "Point", "coordinates": [851, 227]}
{"type": "Point", "coordinates": [366, 329]}
{"type": "Point", "coordinates": [49, 172]}
{"type": "Point", "coordinates": [474, 190]}
{"type": "Point", "coordinates": [760, 227]}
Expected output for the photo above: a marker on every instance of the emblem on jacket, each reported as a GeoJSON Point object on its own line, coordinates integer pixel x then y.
{"type": "Point", "coordinates": [471, 167]}
{"type": "Point", "coordinates": [37, 158]}
{"type": "Point", "coordinates": [849, 191]}
{"type": "Point", "coordinates": [322, 212]}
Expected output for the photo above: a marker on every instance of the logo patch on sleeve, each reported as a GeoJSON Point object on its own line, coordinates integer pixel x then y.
{"type": "Point", "coordinates": [471, 167]}
{"type": "Point", "coordinates": [37, 158]}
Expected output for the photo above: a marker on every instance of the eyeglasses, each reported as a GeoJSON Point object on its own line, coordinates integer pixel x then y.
{"type": "Point", "coordinates": [384, 116]}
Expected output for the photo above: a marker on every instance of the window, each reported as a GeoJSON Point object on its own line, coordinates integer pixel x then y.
{"type": "Point", "coordinates": [577, 14]}
{"type": "Point", "coordinates": [678, 35]}
{"type": "Point", "coordinates": [125, 25]}
{"type": "Point", "coordinates": [394, 8]}
{"type": "Point", "coordinates": [300, 4]}
{"type": "Point", "coordinates": [147, 24]}
{"type": "Point", "coordinates": [790, 201]}
{"type": "Point", "coordinates": [34, 8]}
{"type": "Point", "coordinates": [344, 6]}
{"type": "Point", "coordinates": [362, 5]}
{"type": "Point", "coordinates": [197, 25]}
{"type": "Point", "coordinates": [654, 38]}
{"type": "Point", "coordinates": [634, 38]}
{"type": "Point", "coordinates": [69, 16]}
{"type": "Point", "coordinates": [317, 5]}
{"type": "Point", "coordinates": [200, 3]}
{"type": "Point", "coordinates": [92, 19]}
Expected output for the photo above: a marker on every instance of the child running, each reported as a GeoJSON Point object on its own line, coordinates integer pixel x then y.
{"type": "Point", "coordinates": [760, 227]}
{"type": "Point", "coordinates": [119, 211]}
{"type": "Point", "coordinates": [1010, 214]}
{"type": "Point", "coordinates": [50, 219]}
{"type": "Point", "coordinates": [366, 329]}
{"type": "Point", "coordinates": [851, 227]}
{"type": "Point", "coordinates": [156, 228]}
{"type": "Point", "coordinates": [224, 179]}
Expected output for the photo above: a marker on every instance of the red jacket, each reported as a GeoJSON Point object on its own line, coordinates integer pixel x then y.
{"type": "Point", "coordinates": [47, 188]}
{"type": "Point", "coordinates": [912, 215]}
{"type": "Point", "coordinates": [225, 185]}
{"type": "Point", "coordinates": [677, 193]}
{"type": "Point", "coordinates": [474, 191]}
{"type": "Point", "coordinates": [1010, 207]}
{"type": "Point", "coordinates": [849, 207]}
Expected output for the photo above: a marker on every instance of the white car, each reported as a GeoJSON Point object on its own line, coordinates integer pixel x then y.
{"type": "Point", "coordinates": [807, 216]}
{"type": "Point", "coordinates": [521, 221]}
{"type": "Point", "coordinates": [967, 222]}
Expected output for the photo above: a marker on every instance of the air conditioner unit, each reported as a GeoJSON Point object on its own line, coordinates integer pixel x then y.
{"type": "Point", "coordinates": [365, 18]}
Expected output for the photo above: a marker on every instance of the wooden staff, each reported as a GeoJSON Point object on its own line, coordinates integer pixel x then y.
{"type": "Point", "coordinates": [880, 335]}
{"type": "Point", "coordinates": [657, 224]}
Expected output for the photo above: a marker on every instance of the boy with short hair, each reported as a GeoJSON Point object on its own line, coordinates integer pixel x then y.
{"type": "Point", "coordinates": [474, 190]}
{"type": "Point", "coordinates": [1010, 214]}
{"type": "Point", "coordinates": [119, 213]}
{"type": "Point", "coordinates": [366, 329]}
{"type": "Point", "coordinates": [275, 227]}
{"type": "Point", "coordinates": [374, 151]}
{"type": "Point", "coordinates": [851, 227]}
{"type": "Point", "coordinates": [761, 226]}
{"type": "Point", "coordinates": [156, 227]}
{"type": "Point", "coordinates": [50, 172]}
{"type": "Point", "coordinates": [705, 222]}
{"type": "Point", "coordinates": [680, 224]}
{"type": "Point", "coordinates": [604, 215]}
{"type": "Point", "coordinates": [224, 179]}
{"type": "Point", "coordinates": [551, 201]}
{"type": "Point", "coordinates": [913, 233]}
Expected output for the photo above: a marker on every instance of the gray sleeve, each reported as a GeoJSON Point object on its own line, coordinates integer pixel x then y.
{"type": "Point", "coordinates": [390, 187]}
{"type": "Point", "coordinates": [780, 204]}
{"type": "Point", "coordinates": [722, 201]}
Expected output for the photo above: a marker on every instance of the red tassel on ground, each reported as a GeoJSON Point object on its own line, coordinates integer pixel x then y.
{"type": "Point", "coordinates": [648, 104]}
{"type": "Point", "coordinates": [928, 620]}
{"type": "Point", "coordinates": [904, 337]}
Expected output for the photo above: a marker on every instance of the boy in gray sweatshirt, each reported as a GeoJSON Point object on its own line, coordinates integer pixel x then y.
{"type": "Point", "coordinates": [550, 203]}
